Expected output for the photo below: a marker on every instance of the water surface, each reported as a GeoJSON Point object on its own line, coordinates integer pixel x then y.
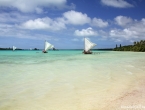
{"type": "Point", "coordinates": [66, 80]}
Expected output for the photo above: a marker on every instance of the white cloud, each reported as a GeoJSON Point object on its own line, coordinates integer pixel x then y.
{"type": "Point", "coordinates": [5, 29]}
{"type": "Point", "coordinates": [123, 20]}
{"type": "Point", "coordinates": [14, 17]}
{"type": "Point", "coordinates": [86, 32]}
{"type": "Point", "coordinates": [36, 24]}
{"type": "Point", "coordinates": [104, 34]}
{"type": "Point", "coordinates": [132, 29]}
{"type": "Point", "coordinates": [123, 34]}
{"type": "Point", "coordinates": [32, 5]}
{"type": "Point", "coordinates": [76, 18]}
{"type": "Point", "coordinates": [99, 23]}
{"type": "Point", "coordinates": [143, 21]}
{"type": "Point", "coordinates": [117, 3]}
{"type": "Point", "coordinates": [43, 24]}
{"type": "Point", "coordinates": [12, 31]}
{"type": "Point", "coordinates": [138, 26]}
{"type": "Point", "coordinates": [46, 23]}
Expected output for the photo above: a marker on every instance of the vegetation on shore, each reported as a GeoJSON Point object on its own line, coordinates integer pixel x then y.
{"type": "Point", "coordinates": [138, 46]}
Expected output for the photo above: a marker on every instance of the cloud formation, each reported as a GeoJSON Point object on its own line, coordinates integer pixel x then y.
{"type": "Point", "coordinates": [43, 24]}
{"type": "Point", "coordinates": [135, 30]}
{"type": "Point", "coordinates": [14, 17]}
{"type": "Point", "coordinates": [76, 18]}
{"type": "Point", "coordinates": [18, 24]}
{"type": "Point", "coordinates": [86, 32]}
{"type": "Point", "coordinates": [99, 23]}
{"type": "Point", "coordinates": [46, 23]}
{"type": "Point", "coordinates": [122, 20]}
{"type": "Point", "coordinates": [12, 31]}
{"type": "Point", "coordinates": [32, 5]}
{"type": "Point", "coordinates": [123, 34]}
{"type": "Point", "coordinates": [117, 3]}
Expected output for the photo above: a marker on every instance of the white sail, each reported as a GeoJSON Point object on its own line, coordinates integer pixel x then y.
{"type": "Point", "coordinates": [88, 45]}
{"type": "Point", "coordinates": [48, 46]}
{"type": "Point", "coordinates": [52, 46]}
{"type": "Point", "coordinates": [14, 48]}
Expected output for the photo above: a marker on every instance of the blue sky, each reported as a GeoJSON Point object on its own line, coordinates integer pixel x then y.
{"type": "Point", "coordinates": [64, 23]}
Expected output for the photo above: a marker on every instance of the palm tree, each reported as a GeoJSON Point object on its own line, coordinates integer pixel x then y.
{"type": "Point", "coordinates": [137, 43]}
{"type": "Point", "coordinates": [141, 42]}
{"type": "Point", "coordinates": [120, 45]}
{"type": "Point", "coordinates": [134, 43]}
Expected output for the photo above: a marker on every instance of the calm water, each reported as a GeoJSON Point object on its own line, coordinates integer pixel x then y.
{"type": "Point", "coordinates": [66, 80]}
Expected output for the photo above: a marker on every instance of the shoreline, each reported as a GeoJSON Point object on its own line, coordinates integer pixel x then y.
{"type": "Point", "coordinates": [106, 82]}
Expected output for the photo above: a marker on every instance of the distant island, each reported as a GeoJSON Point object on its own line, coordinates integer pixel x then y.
{"type": "Point", "coordinates": [16, 49]}
{"type": "Point", "coordinates": [35, 49]}
{"type": "Point", "coordinates": [138, 46]}
{"type": "Point", "coordinates": [103, 49]}
{"type": "Point", "coordinates": [9, 49]}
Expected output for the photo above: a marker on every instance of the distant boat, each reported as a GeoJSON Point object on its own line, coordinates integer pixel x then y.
{"type": "Point", "coordinates": [47, 46]}
{"type": "Point", "coordinates": [88, 46]}
{"type": "Point", "coordinates": [14, 48]}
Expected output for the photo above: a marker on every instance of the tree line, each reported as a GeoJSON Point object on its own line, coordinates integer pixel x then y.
{"type": "Point", "coordinates": [138, 46]}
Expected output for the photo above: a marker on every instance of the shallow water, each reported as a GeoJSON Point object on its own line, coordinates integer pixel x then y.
{"type": "Point", "coordinates": [31, 80]}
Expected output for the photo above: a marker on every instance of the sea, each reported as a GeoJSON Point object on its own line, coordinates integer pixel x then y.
{"type": "Point", "coordinates": [66, 79]}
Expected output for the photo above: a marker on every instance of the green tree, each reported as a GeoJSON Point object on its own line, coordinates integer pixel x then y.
{"type": "Point", "coordinates": [141, 42]}
{"type": "Point", "coordinates": [134, 43]}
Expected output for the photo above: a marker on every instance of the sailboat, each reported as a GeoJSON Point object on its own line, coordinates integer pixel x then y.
{"type": "Point", "coordinates": [47, 46]}
{"type": "Point", "coordinates": [88, 45]}
{"type": "Point", "coordinates": [14, 48]}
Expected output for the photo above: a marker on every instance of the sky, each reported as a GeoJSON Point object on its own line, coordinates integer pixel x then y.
{"type": "Point", "coordinates": [64, 23]}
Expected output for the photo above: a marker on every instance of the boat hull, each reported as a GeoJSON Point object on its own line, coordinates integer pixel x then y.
{"type": "Point", "coordinates": [44, 51]}
{"type": "Point", "coordinates": [87, 52]}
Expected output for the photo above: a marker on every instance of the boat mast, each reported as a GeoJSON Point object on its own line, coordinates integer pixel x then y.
{"type": "Point", "coordinates": [84, 43]}
{"type": "Point", "coordinates": [44, 45]}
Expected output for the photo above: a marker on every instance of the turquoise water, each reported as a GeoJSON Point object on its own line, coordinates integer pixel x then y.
{"type": "Point", "coordinates": [29, 57]}
{"type": "Point", "coordinates": [66, 79]}
{"type": "Point", "coordinates": [34, 57]}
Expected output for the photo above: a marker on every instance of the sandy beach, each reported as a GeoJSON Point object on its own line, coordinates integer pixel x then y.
{"type": "Point", "coordinates": [134, 99]}
{"type": "Point", "coordinates": [108, 81]}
